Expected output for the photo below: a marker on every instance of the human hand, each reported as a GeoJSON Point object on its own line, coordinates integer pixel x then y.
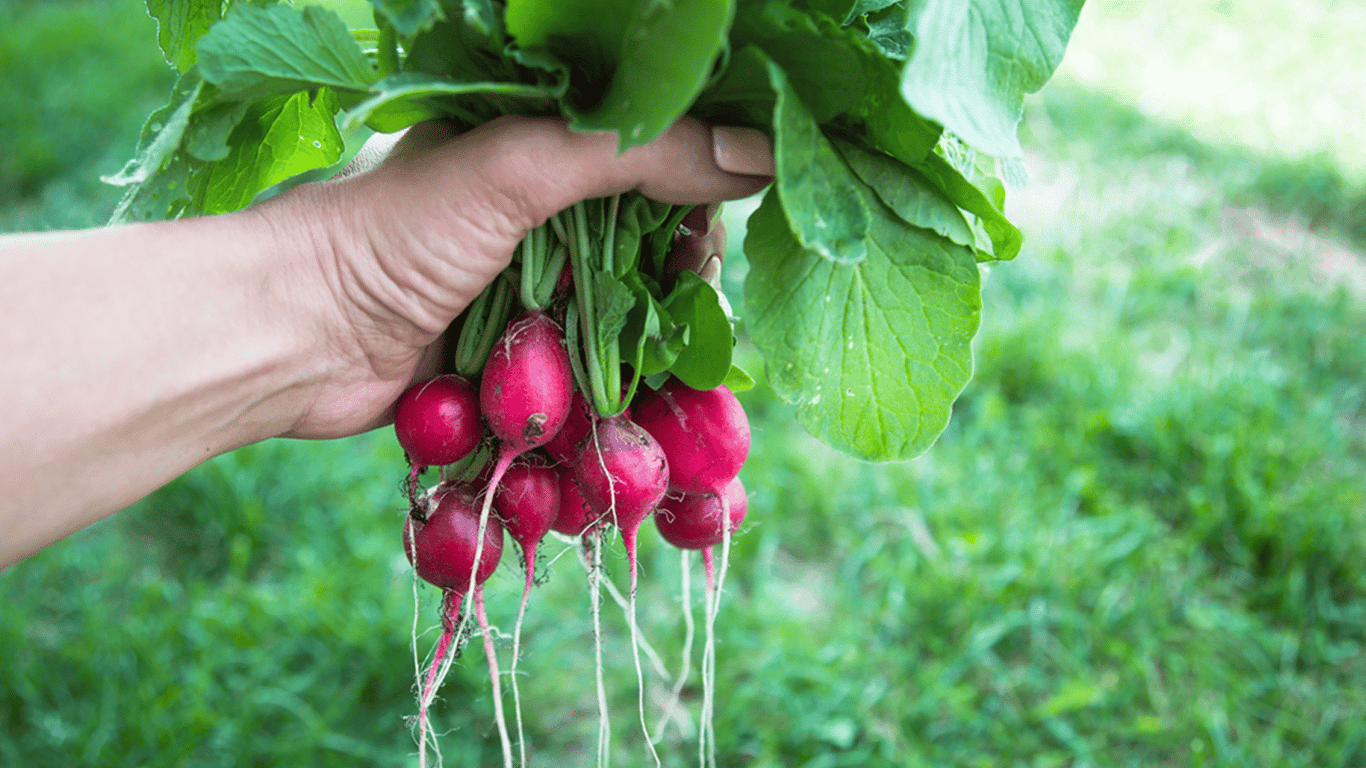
{"type": "Point", "coordinates": [404, 246]}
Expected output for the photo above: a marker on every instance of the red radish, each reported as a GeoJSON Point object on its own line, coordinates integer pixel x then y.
{"type": "Point", "coordinates": [437, 422]}
{"type": "Point", "coordinates": [704, 434]}
{"type": "Point", "coordinates": [574, 518]}
{"type": "Point", "coordinates": [445, 549]}
{"type": "Point", "coordinates": [527, 501]}
{"type": "Point", "coordinates": [693, 521]}
{"type": "Point", "coordinates": [527, 386]}
{"type": "Point", "coordinates": [525, 393]}
{"type": "Point", "coordinates": [564, 445]}
{"type": "Point", "coordinates": [622, 474]}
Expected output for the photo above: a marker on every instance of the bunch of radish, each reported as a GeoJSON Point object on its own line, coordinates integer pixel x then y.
{"type": "Point", "coordinates": [554, 460]}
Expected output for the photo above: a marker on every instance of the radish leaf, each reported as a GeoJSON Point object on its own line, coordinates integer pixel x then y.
{"type": "Point", "coordinates": [873, 353]}
{"type": "Point", "coordinates": [280, 137]}
{"type": "Point", "coordinates": [637, 64]}
{"type": "Point", "coordinates": [814, 182]}
{"type": "Point", "coordinates": [705, 361]}
{"type": "Point", "coordinates": [409, 16]}
{"type": "Point", "coordinates": [161, 134]}
{"type": "Point", "coordinates": [180, 24]}
{"type": "Point", "coordinates": [987, 205]}
{"type": "Point", "coordinates": [402, 90]}
{"type": "Point", "coordinates": [908, 193]}
{"type": "Point", "coordinates": [974, 61]}
{"type": "Point", "coordinates": [255, 52]}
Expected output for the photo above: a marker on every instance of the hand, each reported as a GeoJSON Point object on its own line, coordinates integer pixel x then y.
{"type": "Point", "coordinates": [415, 233]}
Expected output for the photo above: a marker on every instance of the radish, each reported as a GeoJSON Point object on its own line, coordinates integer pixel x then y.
{"type": "Point", "coordinates": [437, 422]}
{"type": "Point", "coordinates": [525, 394]}
{"type": "Point", "coordinates": [563, 446]}
{"type": "Point", "coordinates": [527, 502]}
{"type": "Point", "coordinates": [704, 434]}
{"type": "Point", "coordinates": [623, 475]}
{"type": "Point", "coordinates": [444, 549]}
{"type": "Point", "coordinates": [693, 521]}
{"type": "Point", "coordinates": [574, 518]}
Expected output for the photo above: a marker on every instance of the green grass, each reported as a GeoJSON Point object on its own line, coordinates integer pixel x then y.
{"type": "Point", "coordinates": [1141, 541]}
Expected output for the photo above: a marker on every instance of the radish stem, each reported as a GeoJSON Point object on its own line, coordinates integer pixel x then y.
{"type": "Point", "coordinates": [604, 725]}
{"type": "Point", "coordinates": [492, 656]}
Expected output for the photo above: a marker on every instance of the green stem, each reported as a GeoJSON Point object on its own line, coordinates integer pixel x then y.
{"type": "Point", "coordinates": [487, 317]}
{"type": "Point", "coordinates": [611, 363]}
{"type": "Point", "coordinates": [530, 264]}
{"type": "Point", "coordinates": [579, 247]}
{"type": "Point", "coordinates": [550, 279]}
{"type": "Point", "coordinates": [388, 51]}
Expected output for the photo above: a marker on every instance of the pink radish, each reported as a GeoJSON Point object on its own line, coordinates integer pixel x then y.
{"type": "Point", "coordinates": [444, 549]}
{"type": "Point", "coordinates": [563, 446]}
{"type": "Point", "coordinates": [574, 518]}
{"type": "Point", "coordinates": [704, 433]}
{"type": "Point", "coordinates": [622, 474]}
{"type": "Point", "coordinates": [693, 521]}
{"type": "Point", "coordinates": [525, 393]}
{"type": "Point", "coordinates": [437, 423]}
{"type": "Point", "coordinates": [527, 501]}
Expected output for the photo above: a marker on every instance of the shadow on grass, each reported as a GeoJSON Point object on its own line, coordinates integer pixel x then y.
{"type": "Point", "coordinates": [1311, 189]}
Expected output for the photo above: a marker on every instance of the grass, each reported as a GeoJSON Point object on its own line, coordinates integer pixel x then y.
{"type": "Point", "coordinates": [1140, 542]}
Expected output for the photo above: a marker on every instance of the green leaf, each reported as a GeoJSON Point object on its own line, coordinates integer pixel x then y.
{"type": "Point", "coordinates": [738, 380]}
{"type": "Point", "coordinates": [210, 127]}
{"type": "Point", "coordinates": [974, 61]}
{"type": "Point", "coordinates": [180, 24]}
{"type": "Point", "coordinates": [409, 16]}
{"type": "Point", "coordinates": [865, 7]}
{"type": "Point", "coordinates": [161, 133]}
{"type": "Point", "coordinates": [665, 58]}
{"type": "Point", "coordinates": [814, 182]}
{"type": "Point", "coordinates": [842, 77]}
{"type": "Point", "coordinates": [986, 204]}
{"type": "Point", "coordinates": [401, 91]}
{"type": "Point", "coordinates": [908, 193]}
{"type": "Point", "coordinates": [651, 340]}
{"type": "Point", "coordinates": [705, 361]}
{"type": "Point", "coordinates": [481, 15]}
{"type": "Point", "coordinates": [459, 48]}
{"type": "Point", "coordinates": [613, 300]}
{"type": "Point", "coordinates": [637, 65]}
{"type": "Point", "coordinates": [742, 96]}
{"type": "Point", "coordinates": [873, 353]}
{"type": "Point", "coordinates": [164, 195]}
{"type": "Point", "coordinates": [887, 30]}
{"type": "Point", "coordinates": [280, 137]}
{"type": "Point", "coordinates": [256, 52]}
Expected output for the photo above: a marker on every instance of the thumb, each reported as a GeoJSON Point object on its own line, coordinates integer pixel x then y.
{"type": "Point", "coordinates": [524, 170]}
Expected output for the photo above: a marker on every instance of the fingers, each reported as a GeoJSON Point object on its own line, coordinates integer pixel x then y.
{"type": "Point", "coordinates": [532, 168]}
{"type": "Point", "coordinates": [703, 247]}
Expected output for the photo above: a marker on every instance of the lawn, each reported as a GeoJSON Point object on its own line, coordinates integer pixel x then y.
{"type": "Point", "coordinates": [1141, 541]}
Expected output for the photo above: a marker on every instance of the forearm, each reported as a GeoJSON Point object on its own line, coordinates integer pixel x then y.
{"type": "Point", "coordinates": [136, 353]}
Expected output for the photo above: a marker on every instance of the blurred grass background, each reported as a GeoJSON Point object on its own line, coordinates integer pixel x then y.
{"type": "Point", "coordinates": [1141, 542]}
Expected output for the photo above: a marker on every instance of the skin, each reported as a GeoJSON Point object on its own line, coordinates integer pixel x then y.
{"type": "Point", "coordinates": [134, 353]}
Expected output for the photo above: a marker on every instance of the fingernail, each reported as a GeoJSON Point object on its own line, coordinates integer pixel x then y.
{"type": "Point", "coordinates": [744, 151]}
{"type": "Point", "coordinates": [711, 271]}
